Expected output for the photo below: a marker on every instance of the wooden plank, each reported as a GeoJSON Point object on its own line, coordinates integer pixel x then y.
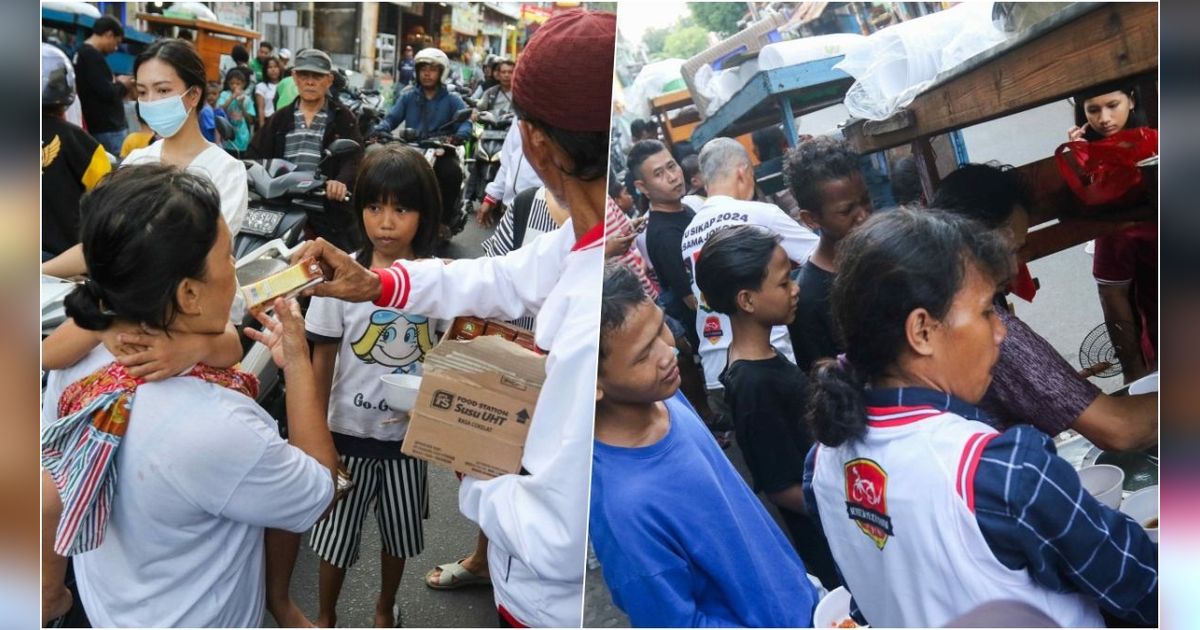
{"type": "Point", "coordinates": [1053, 199]}
{"type": "Point", "coordinates": [213, 27]}
{"type": "Point", "coordinates": [1115, 41]}
{"type": "Point", "coordinates": [670, 101]}
{"type": "Point", "coordinates": [1064, 234]}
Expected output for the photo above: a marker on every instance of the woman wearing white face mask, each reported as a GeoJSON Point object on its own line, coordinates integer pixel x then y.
{"type": "Point", "coordinates": [170, 82]}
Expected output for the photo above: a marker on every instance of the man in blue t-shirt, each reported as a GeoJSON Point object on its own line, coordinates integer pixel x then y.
{"type": "Point", "coordinates": [681, 538]}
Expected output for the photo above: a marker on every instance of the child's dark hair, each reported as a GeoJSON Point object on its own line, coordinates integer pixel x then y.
{"type": "Point", "coordinates": [987, 193]}
{"type": "Point", "coordinates": [622, 293]}
{"type": "Point", "coordinates": [143, 217]}
{"type": "Point", "coordinates": [180, 55]}
{"type": "Point", "coordinates": [1137, 115]}
{"type": "Point", "coordinates": [398, 175]}
{"type": "Point", "coordinates": [892, 264]}
{"type": "Point", "coordinates": [236, 73]}
{"type": "Point", "coordinates": [239, 54]}
{"type": "Point", "coordinates": [732, 260]}
{"type": "Point", "coordinates": [639, 153]}
{"type": "Point", "coordinates": [815, 162]}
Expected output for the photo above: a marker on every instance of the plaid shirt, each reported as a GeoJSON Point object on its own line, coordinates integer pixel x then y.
{"type": "Point", "coordinates": [1036, 516]}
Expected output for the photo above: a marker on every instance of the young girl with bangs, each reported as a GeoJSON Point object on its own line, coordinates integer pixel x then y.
{"type": "Point", "coordinates": [397, 203]}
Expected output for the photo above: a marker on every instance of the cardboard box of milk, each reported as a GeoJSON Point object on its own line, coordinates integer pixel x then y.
{"type": "Point", "coordinates": [475, 405]}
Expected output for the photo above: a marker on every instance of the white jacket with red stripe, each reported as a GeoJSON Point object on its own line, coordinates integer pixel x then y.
{"type": "Point", "coordinates": [536, 523]}
{"type": "Point", "coordinates": [898, 508]}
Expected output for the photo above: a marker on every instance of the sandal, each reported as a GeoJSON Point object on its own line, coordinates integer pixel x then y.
{"type": "Point", "coordinates": [454, 575]}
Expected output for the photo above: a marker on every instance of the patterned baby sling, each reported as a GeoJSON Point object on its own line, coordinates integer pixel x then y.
{"type": "Point", "coordinates": [79, 448]}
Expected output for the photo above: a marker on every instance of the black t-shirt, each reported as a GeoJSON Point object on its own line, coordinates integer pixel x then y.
{"type": "Point", "coordinates": [72, 162]}
{"type": "Point", "coordinates": [664, 235]}
{"type": "Point", "coordinates": [99, 96]}
{"type": "Point", "coordinates": [812, 331]}
{"type": "Point", "coordinates": [767, 398]}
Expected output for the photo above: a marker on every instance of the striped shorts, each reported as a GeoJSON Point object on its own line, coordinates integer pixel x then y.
{"type": "Point", "coordinates": [397, 488]}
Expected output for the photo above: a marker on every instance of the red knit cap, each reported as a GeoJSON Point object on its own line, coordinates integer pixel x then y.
{"type": "Point", "coordinates": [564, 76]}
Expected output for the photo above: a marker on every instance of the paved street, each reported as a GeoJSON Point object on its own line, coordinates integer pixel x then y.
{"type": "Point", "coordinates": [448, 537]}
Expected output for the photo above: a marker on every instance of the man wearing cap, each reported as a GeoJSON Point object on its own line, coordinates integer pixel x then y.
{"type": "Point", "coordinates": [301, 131]}
{"type": "Point", "coordinates": [536, 522]}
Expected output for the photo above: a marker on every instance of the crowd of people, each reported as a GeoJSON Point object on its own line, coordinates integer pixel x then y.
{"type": "Point", "coordinates": [889, 405]}
{"type": "Point", "coordinates": [192, 506]}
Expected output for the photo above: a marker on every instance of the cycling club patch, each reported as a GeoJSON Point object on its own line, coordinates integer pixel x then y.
{"type": "Point", "coordinates": [712, 329]}
{"type": "Point", "coordinates": [866, 499]}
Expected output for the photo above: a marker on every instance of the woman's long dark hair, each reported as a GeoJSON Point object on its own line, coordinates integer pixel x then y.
{"type": "Point", "coordinates": [398, 175]}
{"type": "Point", "coordinates": [144, 229]}
{"type": "Point", "coordinates": [1137, 115]}
{"type": "Point", "coordinates": [888, 267]}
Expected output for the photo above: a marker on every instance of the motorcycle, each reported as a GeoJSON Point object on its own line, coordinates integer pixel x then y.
{"type": "Point", "coordinates": [366, 105]}
{"type": "Point", "coordinates": [432, 147]}
{"type": "Point", "coordinates": [282, 198]}
{"type": "Point", "coordinates": [490, 132]}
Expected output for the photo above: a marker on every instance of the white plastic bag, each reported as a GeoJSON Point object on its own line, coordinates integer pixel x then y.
{"type": "Point", "coordinates": [649, 84]}
{"type": "Point", "coordinates": [895, 64]}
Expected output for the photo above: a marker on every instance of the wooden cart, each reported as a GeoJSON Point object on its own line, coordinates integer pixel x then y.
{"type": "Point", "coordinates": [212, 39]}
{"type": "Point", "coordinates": [1087, 44]}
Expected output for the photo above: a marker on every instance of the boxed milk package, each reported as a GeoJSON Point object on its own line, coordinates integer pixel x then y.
{"type": "Point", "coordinates": [476, 399]}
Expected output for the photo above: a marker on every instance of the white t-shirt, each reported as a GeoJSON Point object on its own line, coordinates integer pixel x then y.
{"type": "Point", "coordinates": [226, 171]}
{"type": "Point", "coordinates": [374, 341]}
{"type": "Point", "coordinates": [713, 328]}
{"type": "Point", "coordinates": [200, 473]}
{"type": "Point", "coordinates": [267, 92]}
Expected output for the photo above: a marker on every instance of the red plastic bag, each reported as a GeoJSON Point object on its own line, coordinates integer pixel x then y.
{"type": "Point", "coordinates": [1105, 171]}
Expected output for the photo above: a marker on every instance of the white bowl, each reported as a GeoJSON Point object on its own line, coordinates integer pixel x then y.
{"type": "Point", "coordinates": [401, 390]}
{"type": "Point", "coordinates": [832, 609]}
{"type": "Point", "coordinates": [1104, 482]}
{"type": "Point", "coordinates": [1144, 385]}
{"type": "Point", "coordinates": [1142, 506]}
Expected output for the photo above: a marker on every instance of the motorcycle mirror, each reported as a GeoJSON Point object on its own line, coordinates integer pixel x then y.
{"type": "Point", "coordinates": [462, 114]}
{"type": "Point", "coordinates": [341, 146]}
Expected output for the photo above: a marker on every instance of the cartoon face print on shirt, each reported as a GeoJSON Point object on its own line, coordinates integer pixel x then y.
{"type": "Point", "coordinates": [395, 340]}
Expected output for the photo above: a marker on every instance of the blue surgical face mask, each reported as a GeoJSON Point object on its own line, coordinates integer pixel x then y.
{"type": "Point", "coordinates": [165, 115]}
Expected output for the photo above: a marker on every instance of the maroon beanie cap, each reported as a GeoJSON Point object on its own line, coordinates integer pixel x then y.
{"type": "Point", "coordinates": [564, 75]}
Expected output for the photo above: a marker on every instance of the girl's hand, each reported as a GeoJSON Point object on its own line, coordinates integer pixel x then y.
{"type": "Point", "coordinates": [1076, 133]}
{"type": "Point", "coordinates": [283, 333]}
{"type": "Point", "coordinates": [150, 354]}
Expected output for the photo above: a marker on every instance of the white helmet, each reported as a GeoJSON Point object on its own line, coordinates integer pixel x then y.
{"type": "Point", "coordinates": [433, 56]}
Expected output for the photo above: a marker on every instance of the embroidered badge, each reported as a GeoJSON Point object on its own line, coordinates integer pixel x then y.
{"type": "Point", "coordinates": [712, 329]}
{"type": "Point", "coordinates": [866, 499]}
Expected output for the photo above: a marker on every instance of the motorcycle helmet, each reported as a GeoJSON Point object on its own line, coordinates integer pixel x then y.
{"type": "Point", "coordinates": [433, 56]}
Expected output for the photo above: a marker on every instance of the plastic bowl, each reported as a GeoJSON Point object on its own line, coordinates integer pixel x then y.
{"type": "Point", "coordinates": [1104, 482]}
{"type": "Point", "coordinates": [832, 609]}
{"type": "Point", "coordinates": [401, 390]}
{"type": "Point", "coordinates": [1142, 506]}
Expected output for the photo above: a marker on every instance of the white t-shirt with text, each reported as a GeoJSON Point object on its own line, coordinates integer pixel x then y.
{"type": "Point", "coordinates": [713, 328]}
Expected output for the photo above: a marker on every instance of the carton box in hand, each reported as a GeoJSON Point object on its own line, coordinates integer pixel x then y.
{"type": "Point", "coordinates": [475, 405]}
